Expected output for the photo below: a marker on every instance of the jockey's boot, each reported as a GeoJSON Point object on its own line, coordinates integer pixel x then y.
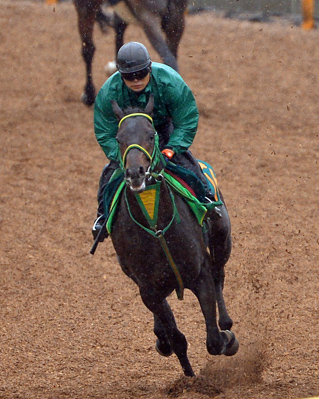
{"type": "Point", "coordinates": [99, 225]}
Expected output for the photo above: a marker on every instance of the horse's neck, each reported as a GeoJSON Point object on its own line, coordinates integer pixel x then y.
{"type": "Point", "coordinates": [166, 205]}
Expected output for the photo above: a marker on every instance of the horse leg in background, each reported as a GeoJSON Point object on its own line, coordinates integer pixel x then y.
{"type": "Point", "coordinates": [86, 11]}
{"type": "Point", "coordinates": [220, 249]}
{"type": "Point", "coordinates": [204, 289]}
{"type": "Point", "coordinates": [152, 27]}
{"type": "Point", "coordinates": [119, 27]}
{"type": "Point", "coordinates": [166, 329]}
{"type": "Point", "coordinates": [173, 24]}
{"type": "Point", "coordinates": [104, 20]}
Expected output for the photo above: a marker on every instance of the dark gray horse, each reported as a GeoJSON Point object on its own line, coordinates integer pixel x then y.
{"type": "Point", "coordinates": [164, 248]}
{"type": "Point", "coordinates": [154, 16]}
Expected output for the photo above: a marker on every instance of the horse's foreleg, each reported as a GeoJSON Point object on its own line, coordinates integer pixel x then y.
{"type": "Point", "coordinates": [119, 27]}
{"type": "Point", "coordinates": [88, 97]}
{"type": "Point", "coordinates": [166, 329]}
{"type": "Point", "coordinates": [86, 19]}
{"type": "Point", "coordinates": [162, 345]}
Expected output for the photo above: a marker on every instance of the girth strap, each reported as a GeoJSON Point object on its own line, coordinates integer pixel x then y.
{"type": "Point", "coordinates": [180, 290]}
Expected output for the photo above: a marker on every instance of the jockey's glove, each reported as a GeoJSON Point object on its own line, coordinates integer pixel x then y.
{"type": "Point", "coordinates": [168, 153]}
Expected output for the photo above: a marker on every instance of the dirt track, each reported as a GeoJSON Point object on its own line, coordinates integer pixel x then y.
{"type": "Point", "coordinates": [72, 325]}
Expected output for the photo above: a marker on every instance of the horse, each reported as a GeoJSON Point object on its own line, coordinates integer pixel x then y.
{"type": "Point", "coordinates": [154, 16]}
{"type": "Point", "coordinates": [161, 246]}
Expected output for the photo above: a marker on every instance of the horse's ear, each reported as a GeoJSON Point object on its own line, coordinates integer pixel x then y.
{"type": "Point", "coordinates": [150, 105]}
{"type": "Point", "coordinates": [117, 110]}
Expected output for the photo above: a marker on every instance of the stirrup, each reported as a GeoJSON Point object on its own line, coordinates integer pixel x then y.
{"type": "Point", "coordinates": [96, 222]}
{"type": "Point", "coordinates": [99, 225]}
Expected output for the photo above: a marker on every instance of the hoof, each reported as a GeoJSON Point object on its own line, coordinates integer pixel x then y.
{"type": "Point", "coordinates": [232, 344]}
{"type": "Point", "coordinates": [85, 99]}
{"type": "Point", "coordinates": [167, 351]}
{"type": "Point", "coordinates": [110, 68]}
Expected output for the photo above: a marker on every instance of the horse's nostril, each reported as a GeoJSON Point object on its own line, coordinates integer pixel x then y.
{"type": "Point", "coordinates": [142, 170]}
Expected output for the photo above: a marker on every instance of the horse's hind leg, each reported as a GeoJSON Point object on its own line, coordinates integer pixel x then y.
{"type": "Point", "coordinates": [166, 329]}
{"type": "Point", "coordinates": [204, 289]}
{"type": "Point", "coordinates": [225, 322]}
{"type": "Point", "coordinates": [152, 28]}
{"type": "Point", "coordinates": [220, 249]}
{"type": "Point", "coordinates": [173, 24]}
{"type": "Point", "coordinates": [86, 17]}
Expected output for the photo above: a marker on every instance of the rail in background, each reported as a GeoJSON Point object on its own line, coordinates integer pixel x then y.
{"type": "Point", "coordinates": [307, 9]}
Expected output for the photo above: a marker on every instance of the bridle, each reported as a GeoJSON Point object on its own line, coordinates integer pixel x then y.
{"type": "Point", "coordinates": [156, 155]}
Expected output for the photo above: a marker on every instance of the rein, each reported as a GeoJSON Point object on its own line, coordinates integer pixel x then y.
{"type": "Point", "coordinates": [154, 159]}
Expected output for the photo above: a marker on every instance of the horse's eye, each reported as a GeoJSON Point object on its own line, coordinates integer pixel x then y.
{"type": "Point", "coordinates": [152, 137]}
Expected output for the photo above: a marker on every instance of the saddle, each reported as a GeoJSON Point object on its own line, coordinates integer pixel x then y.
{"type": "Point", "coordinates": [180, 180]}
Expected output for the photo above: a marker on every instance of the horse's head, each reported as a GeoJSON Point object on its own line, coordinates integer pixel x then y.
{"type": "Point", "coordinates": [138, 143]}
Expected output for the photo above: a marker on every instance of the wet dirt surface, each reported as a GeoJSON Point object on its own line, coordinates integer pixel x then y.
{"type": "Point", "coordinates": [73, 325]}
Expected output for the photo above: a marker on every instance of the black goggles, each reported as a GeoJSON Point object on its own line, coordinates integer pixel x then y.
{"type": "Point", "coordinates": [138, 75]}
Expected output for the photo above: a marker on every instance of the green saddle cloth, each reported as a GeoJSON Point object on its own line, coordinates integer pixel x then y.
{"type": "Point", "coordinates": [189, 178]}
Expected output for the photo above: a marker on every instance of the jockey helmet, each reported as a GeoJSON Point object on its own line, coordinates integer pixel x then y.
{"type": "Point", "coordinates": [132, 57]}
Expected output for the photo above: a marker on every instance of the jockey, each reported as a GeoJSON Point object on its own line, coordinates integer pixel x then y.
{"type": "Point", "coordinates": [175, 114]}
